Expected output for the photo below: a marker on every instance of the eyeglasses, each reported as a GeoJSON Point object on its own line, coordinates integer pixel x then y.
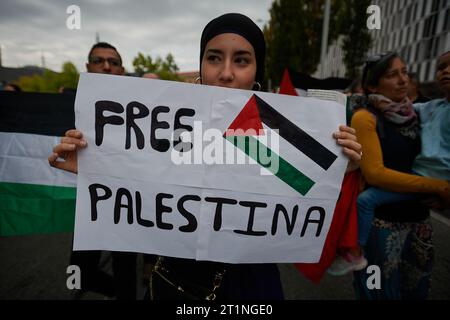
{"type": "Point", "coordinates": [100, 60]}
{"type": "Point", "coordinates": [377, 58]}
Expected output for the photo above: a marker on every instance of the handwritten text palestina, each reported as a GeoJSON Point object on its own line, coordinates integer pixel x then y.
{"type": "Point", "coordinates": [131, 205]}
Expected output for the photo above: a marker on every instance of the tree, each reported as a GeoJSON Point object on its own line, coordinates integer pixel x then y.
{"type": "Point", "coordinates": [51, 81]}
{"type": "Point", "coordinates": [293, 35]}
{"type": "Point", "coordinates": [166, 69]}
{"type": "Point", "coordinates": [69, 76]}
{"type": "Point", "coordinates": [169, 68]}
{"type": "Point", "coordinates": [144, 64]}
{"type": "Point", "coordinates": [357, 40]}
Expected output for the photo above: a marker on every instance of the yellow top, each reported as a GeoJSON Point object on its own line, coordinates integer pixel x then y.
{"type": "Point", "coordinates": [372, 166]}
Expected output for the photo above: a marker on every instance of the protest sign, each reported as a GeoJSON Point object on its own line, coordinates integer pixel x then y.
{"type": "Point", "coordinates": [203, 172]}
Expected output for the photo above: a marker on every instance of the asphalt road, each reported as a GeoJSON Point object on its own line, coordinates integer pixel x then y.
{"type": "Point", "coordinates": [34, 267]}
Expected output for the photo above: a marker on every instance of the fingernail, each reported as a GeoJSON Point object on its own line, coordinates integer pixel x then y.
{"type": "Point", "coordinates": [83, 143]}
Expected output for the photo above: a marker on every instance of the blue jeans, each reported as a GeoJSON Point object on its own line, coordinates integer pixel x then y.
{"type": "Point", "coordinates": [367, 202]}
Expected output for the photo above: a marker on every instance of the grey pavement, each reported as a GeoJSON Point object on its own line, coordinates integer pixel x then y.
{"type": "Point", "coordinates": [34, 267]}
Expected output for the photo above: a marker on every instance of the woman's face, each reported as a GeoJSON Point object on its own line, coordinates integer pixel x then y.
{"type": "Point", "coordinates": [443, 73]}
{"type": "Point", "coordinates": [393, 84]}
{"type": "Point", "coordinates": [229, 61]}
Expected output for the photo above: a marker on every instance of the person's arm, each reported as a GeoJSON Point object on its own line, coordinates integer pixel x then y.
{"type": "Point", "coordinates": [372, 165]}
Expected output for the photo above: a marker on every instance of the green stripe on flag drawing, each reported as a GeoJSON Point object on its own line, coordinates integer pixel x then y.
{"type": "Point", "coordinates": [285, 171]}
{"type": "Point", "coordinates": [28, 208]}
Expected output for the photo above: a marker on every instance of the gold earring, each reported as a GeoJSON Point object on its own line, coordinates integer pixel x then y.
{"type": "Point", "coordinates": [257, 84]}
{"type": "Point", "coordinates": [198, 80]}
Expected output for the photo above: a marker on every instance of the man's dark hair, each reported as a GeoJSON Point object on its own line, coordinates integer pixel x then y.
{"type": "Point", "coordinates": [104, 45]}
{"type": "Point", "coordinates": [414, 77]}
{"type": "Point", "coordinates": [439, 57]}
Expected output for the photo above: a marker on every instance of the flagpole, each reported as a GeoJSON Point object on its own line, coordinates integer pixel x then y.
{"type": "Point", "coordinates": [325, 28]}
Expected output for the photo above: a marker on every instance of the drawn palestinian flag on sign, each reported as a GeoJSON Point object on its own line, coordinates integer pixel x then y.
{"type": "Point", "coordinates": [34, 197]}
{"type": "Point", "coordinates": [249, 123]}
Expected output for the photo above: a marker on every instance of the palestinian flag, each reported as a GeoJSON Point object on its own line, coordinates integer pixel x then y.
{"type": "Point", "coordinates": [296, 83]}
{"type": "Point", "coordinates": [343, 232]}
{"type": "Point", "coordinates": [34, 197]}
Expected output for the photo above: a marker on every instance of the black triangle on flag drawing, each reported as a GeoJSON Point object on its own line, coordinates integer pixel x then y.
{"type": "Point", "coordinates": [257, 111]}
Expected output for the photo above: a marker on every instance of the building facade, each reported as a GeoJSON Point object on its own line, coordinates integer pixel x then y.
{"type": "Point", "coordinates": [419, 30]}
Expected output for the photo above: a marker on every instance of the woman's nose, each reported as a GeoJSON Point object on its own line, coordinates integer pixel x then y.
{"type": "Point", "coordinates": [227, 74]}
{"type": "Point", "coordinates": [403, 78]}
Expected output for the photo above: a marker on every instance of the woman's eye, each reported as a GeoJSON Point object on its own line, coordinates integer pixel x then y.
{"type": "Point", "coordinates": [442, 66]}
{"type": "Point", "coordinates": [242, 61]}
{"type": "Point", "coordinates": [213, 58]}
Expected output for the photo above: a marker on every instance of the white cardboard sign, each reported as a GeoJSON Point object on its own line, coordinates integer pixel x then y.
{"type": "Point", "coordinates": [143, 187]}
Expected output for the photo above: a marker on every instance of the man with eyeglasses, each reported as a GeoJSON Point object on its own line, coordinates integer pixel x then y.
{"type": "Point", "coordinates": [104, 58]}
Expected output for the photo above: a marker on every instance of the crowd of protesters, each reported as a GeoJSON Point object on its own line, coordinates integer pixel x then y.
{"type": "Point", "coordinates": [398, 139]}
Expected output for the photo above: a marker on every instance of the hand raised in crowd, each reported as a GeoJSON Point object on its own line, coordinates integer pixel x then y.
{"type": "Point", "coordinates": [346, 138]}
{"type": "Point", "coordinates": [67, 150]}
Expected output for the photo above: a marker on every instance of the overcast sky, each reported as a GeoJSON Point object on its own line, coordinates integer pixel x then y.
{"type": "Point", "coordinates": [31, 28]}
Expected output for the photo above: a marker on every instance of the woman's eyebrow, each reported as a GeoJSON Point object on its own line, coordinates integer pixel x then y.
{"type": "Point", "coordinates": [217, 51]}
{"type": "Point", "coordinates": [239, 52]}
{"type": "Point", "coordinates": [395, 70]}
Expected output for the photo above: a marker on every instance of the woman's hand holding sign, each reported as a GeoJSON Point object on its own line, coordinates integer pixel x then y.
{"type": "Point", "coordinates": [73, 140]}
{"type": "Point", "coordinates": [346, 138]}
